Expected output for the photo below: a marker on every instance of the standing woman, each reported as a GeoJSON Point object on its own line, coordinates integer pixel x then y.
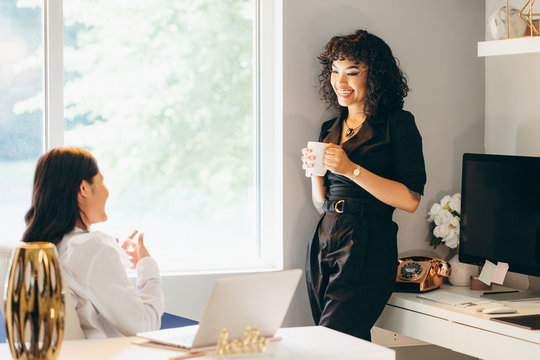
{"type": "Point", "coordinates": [375, 162]}
{"type": "Point", "coordinates": [67, 198]}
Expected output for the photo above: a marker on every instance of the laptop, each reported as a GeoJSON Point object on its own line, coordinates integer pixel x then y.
{"type": "Point", "coordinates": [256, 300]}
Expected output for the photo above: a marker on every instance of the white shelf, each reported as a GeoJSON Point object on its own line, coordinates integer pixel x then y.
{"type": "Point", "coordinates": [524, 45]}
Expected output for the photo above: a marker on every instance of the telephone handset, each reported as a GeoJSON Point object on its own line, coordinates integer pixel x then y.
{"type": "Point", "coordinates": [421, 273]}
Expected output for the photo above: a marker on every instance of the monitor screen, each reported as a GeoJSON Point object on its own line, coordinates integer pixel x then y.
{"type": "Point", "coordinates": [500, 211]}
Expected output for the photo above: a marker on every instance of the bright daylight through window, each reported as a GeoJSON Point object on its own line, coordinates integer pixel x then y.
{"type": "Point", "coordinates": [164, 94]}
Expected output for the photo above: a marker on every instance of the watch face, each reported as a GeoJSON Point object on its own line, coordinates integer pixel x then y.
{"type": "Point", "coordinates": [356, 172]}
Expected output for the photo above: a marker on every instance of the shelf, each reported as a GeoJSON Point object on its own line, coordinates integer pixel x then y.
{"type": "Point", "coordinates": [524, 45]}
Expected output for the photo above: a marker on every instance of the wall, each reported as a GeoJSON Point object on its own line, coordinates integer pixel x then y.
{"type": "Point", "coordinates": [512, 124]}
{"type": "Point", "coordinates": [436, 45]}
{"type": "Point", "coordinates": [512, 100]}
{"type": "Point", "coordinates": [435, 42]}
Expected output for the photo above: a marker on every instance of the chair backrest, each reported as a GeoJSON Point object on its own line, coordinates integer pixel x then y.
{"type": "Point", "coordinates": [72, 326]}
{"type": "Point", "coordinates": [5, 256]}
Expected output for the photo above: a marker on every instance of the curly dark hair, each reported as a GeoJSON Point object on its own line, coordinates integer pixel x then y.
{"type": "Point", "coordinates": [386, 85]}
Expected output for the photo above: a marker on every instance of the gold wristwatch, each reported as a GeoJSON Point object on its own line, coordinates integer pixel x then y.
{"type": "Point", "coordinates": [356, 172]}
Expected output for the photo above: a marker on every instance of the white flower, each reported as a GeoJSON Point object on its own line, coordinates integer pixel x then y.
{"type": "Point", "coordinates": [445, 216]}
{"type": "Point", "coordinates": [445, 200]}
{"type": "Point", "coordinates": [451, 240]}
{"type": "Point", "coordinates": [455, 203]}
{"type": "Point", "coordinates": [434, 211]}
{"type": "Point", "coordinates": [441, 231]}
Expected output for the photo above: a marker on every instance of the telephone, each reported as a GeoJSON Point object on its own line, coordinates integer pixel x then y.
{"type": "Point", "coordinates": [421, 273]}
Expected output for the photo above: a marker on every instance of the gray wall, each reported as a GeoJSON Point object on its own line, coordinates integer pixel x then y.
{"type": "Point", "coordinates": [512, 124]}
{"type": "Point", "coordinates": [436, 43]}
{"type": "Point", "coordinates": [512, 100]}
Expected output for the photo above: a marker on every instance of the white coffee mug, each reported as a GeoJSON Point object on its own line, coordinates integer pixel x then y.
{"type": "Point", "coordinates": [317, 150]}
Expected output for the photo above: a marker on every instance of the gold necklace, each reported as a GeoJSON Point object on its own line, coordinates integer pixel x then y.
{"type": "Point", "coordinates": [350, 131]}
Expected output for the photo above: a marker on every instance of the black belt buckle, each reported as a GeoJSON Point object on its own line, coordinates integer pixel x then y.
{"type": "Point", "coordinates": [337, 206]}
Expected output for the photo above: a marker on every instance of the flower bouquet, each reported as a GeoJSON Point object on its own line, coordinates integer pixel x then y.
{"type": "Point", "coordinates": [445, 217]}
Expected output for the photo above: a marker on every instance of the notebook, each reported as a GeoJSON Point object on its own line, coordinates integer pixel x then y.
{"type": "Point", "coordinates": [256, 300]}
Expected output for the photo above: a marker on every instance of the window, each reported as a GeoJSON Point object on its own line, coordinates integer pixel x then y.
{"type": "Point", "coordinates": [21, 111]}
{"type": "Point", "coordinates": [166, 95]}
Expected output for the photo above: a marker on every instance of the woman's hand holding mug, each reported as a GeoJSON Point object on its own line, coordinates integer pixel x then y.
{"type": "Point", "coordinates": [312, 159]}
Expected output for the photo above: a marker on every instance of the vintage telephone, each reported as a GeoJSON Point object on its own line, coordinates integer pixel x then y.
{"type": "Point", "coordinates": [421, 273]}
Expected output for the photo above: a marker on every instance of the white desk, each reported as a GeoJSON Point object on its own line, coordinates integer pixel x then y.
{"type": "Point", "coordinates": [313, 342]}
{"type": "Point", "coordinates": [456, 329]}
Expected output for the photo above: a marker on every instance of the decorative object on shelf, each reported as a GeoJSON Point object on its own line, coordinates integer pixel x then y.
{"type": "Point", "coordinates": [34, 309]}
{"type": "Point", "coordinates": [528, 17]}
{"type": "Point", "coordinates": [445, 218]}
{"type": "Point", "coordinates": [506, 23]}
{"type": "Point", "coordinates": [250, 343]}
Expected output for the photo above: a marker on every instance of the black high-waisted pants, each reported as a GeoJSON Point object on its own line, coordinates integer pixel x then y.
{"type": "Point", "coordinates": [351, 265]}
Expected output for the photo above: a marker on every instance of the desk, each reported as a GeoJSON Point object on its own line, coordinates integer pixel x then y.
{"type": "Point", "coordinates": [313, 342]}
{"type": "Point", "coordinates": [456, 329]}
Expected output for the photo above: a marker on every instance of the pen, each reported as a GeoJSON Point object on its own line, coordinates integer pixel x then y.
{"type": "Point", "coordinates": [188, 356]}
{"type": "Point", "coordinates": [500, 292]}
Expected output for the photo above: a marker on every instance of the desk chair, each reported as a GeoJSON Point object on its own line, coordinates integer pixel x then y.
{"type": "Point", "coordinates": [72, 326]}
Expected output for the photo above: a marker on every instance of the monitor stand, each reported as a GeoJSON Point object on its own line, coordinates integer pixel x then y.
{"type": "Point", "coordinates": [512, 295]}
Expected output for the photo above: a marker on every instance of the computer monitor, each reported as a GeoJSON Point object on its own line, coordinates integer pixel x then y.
{"type": "Point", "coordinates": [500, 213]}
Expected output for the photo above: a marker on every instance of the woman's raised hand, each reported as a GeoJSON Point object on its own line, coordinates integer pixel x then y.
{"type": "Point", "coordinates": [135, 250]}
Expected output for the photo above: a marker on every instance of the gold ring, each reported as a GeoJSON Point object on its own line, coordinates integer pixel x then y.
{"type": "Point", "coordinates": [336, 206]}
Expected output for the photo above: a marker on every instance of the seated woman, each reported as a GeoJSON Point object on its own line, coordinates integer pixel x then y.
{"type": "Point", "coordinates": [68, 197]}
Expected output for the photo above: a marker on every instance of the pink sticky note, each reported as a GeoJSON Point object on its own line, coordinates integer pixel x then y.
{"type": "Point", "coordinates": [499, 273]}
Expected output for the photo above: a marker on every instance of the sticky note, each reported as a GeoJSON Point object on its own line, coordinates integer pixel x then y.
{"type": "Point", "coordinates": [487, 272]}
{"type": "Point", "coordinates": [499, 273]}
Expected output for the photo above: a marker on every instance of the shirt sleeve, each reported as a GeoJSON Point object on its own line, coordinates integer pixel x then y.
{"type": "Point", "coordinates": [407, 152]}
{"type": "Point", "coordinates": [130, 310]}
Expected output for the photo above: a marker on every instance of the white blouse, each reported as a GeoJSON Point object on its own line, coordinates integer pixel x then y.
{"type": "Point", "coordinates": [106, 301]}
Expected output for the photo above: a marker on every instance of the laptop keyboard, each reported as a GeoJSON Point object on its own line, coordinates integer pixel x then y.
{"type": "Point", "coordinates": [185, 340]}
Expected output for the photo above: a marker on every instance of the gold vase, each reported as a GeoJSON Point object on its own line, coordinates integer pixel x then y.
{"type": "Point", "coordinates": [34, 302]}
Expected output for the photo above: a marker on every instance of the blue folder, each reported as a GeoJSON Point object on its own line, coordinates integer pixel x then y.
{"type": "Point", "coordinates": [167, 321]}
{"type": "Point", "coordinates": [171, 321]}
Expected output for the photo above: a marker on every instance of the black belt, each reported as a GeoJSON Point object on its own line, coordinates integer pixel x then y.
{"type": "Point", "coordinates": [357, 207]}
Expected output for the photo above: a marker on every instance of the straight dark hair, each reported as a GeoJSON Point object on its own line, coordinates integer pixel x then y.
{"type": "Point", "coordinates": [55, 207]}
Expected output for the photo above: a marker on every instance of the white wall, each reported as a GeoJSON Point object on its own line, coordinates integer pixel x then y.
{"type": "Point", "coordinates": [436, 44]}
{"type": "Point", "coordinates": [512, 100]}
{"type": "Point", "coordinates": [512, 124]}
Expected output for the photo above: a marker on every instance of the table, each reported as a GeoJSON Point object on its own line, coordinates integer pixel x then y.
{"type": "Point", "coordinates": [313, 342]}
{"type": "Point", "coordinates": [456, 329]}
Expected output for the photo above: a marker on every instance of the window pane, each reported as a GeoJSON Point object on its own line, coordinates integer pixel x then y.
{"type": "Point", "coordinates": [21, 115]}
{"type": "Point", "coordinates": [161, 92]}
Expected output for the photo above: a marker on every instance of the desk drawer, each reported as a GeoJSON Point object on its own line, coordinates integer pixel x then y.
{"type": "Point", "coordinates": [416, 325]}
{"type": "Point", "coordinates": [489, 345]}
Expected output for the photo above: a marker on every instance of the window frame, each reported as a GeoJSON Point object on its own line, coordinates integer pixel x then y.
{"type": "Point", "coordinates": [267, 111]}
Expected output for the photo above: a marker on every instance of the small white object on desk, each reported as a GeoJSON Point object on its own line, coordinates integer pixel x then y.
{"type": "Point", "coordinates": [499, 310]}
